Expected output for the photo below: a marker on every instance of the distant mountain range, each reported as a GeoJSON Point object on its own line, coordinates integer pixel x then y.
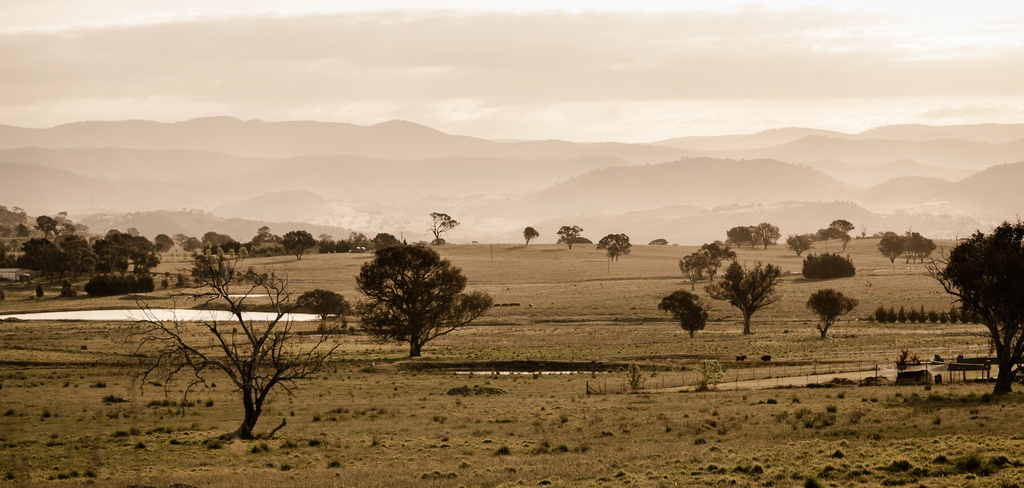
{"type": "Point", "coordinates": [224, 173]}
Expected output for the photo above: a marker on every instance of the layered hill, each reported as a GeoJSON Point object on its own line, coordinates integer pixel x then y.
{"type": "Point", "coordinates": [334, 178]}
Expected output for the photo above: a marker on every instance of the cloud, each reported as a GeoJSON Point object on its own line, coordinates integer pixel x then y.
{"type": "Point", "coordinates": [470, 65]}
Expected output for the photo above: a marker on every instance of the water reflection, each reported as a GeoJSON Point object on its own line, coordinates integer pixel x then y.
{"type": "Point", "coordinates": [159, 314]}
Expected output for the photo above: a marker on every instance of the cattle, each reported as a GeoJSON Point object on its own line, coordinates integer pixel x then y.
{"type": "Point", "coordinates": [741, 358]}
{"type": "Point", "coordinates": [766, 358]}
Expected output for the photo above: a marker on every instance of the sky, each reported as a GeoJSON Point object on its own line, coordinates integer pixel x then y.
{"type": "Point", "coordinates": [636, 71]}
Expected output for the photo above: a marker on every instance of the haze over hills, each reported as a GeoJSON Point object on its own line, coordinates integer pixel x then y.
{"type": "Point", "coordinates": [942, 181]}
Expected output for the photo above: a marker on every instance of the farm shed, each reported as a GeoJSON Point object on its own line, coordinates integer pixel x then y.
{"type": "Point", "coordinates": [16, 274]}
{"type": "Point", "coordinates": [920, 374]}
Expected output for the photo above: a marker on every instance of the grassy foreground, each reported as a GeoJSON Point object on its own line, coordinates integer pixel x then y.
{"type": "Point", "coordinates": [374, 418]}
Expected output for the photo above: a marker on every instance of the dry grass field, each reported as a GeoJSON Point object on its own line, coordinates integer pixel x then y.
{"type": "Point", "coordinates": [375, 418]}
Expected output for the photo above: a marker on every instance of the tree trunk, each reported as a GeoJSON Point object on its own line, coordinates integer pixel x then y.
{"type": "Point", "coordinates": [252, 414]}
{"type": "Point", "coordinates": [746, 324]}
{"type": "Point", "coordinates": [414, 348]}
{"type": "Point", "coordinates": [691, 333]}
{"type": "Point", "coordinates": [1004, 382]}
{"type": "Point", "coordinates": [823, 332]}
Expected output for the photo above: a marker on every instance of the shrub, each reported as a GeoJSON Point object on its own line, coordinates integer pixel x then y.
{"type": "Point", "coordinates": [901, 316]}
{"type": "Point", "coordinates": [828, 266]}
{"type": "Point", "coordinates": [711, 374]}
{"type": "Point", "coordinates": [635, 377]}
{"type": "Point", "coordinates": [113, 284]}
{"type": "Point", "coordinates": [66, 291]}
{"type": "Point", "coordinates": [881, 315]}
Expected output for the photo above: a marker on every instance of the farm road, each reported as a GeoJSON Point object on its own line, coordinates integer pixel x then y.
{"type": "Point", "coordinates": [778, 382]}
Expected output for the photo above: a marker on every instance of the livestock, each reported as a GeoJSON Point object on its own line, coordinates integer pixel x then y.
{"type": "Point", "coordinates": [741, 358]}
{"type": "Point", "coordinates": [766, 358]}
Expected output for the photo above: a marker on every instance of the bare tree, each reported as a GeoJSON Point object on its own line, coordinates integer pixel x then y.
{"type": "Point", "coordinates": [256, 355]}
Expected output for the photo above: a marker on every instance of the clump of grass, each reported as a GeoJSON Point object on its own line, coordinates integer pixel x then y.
{"type": "Point", "coordinates": [261, 447]}
{"type": "Point", "coordinates": [503, 451]}
{"type": "Point", "coordinates": [437, 475]}
{"type": "Point", "coordinates": [334, 464]}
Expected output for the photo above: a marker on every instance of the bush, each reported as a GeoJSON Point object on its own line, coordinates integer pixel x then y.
{"type": "Point", "coordinates": [66, 291]}
{"type": "Point", "coordinates": [828, 266]}
{"type": "Point", "coordinates": [881, 315]}
{"type": "Point", "coordinates": [112, 284]}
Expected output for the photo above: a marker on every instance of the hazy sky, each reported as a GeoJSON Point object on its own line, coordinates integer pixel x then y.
{"type": "Point", "coordinates": [584, 70]}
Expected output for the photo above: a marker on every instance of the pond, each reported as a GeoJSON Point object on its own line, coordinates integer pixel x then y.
{"type": "Point", "coordinates": [157, 313]}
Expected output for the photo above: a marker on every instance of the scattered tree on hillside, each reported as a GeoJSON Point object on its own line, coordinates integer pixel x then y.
{"type": "Point", "coordinates": [297, 242]}
{"type": "Point", "coordinates": [693, 267]}
{"type": "Point", "coordinates": [47, 225]}
{"type": "Point", "coordinates": [192, 244]}
{"type": "Point", "coordinates": [530, 234]}
{"type": "Point", "coordinates": [569, 235]}
{"type": "Point", "coordinates": [689, 309]}
{"type": "Point", "coordinates": [740, 235]}
{"type": "Point", "coordinates": [180, 239]}
{"type": "Point", "coordinates": [615, 245]}
{"type": "Point", "coordinates": [918, 247]}
{"type": "Point", "coordinates": [258, 357]}
{"type": "Point", "coordinates": [325, 303]}
{"type": "Point", "coordinates": [357, 240]}
{"type": "Point", "coordinates": [80, 255]}
{"type": "Point", "coordinates": [163, 243]}
{"type": "Point", "coordinates": [892, 246]}
{"type": "Point", "coordinates": [22, 230]}
{"type": "Point", "coordinates": [765, 234]}
{"type": "Point", "coordinates": [440, 224]}
{"type": "Point", "coordinates": [658, 242]}
{"type": "Point", "coordinates": [213, 239]}
{"type": "Point", "coordinates": [986, 275]}
{"type": "Point", "coordinates": [715, 253]}
{"type": "Point", "coordinates": [44, 256]}
{"type": "Point", "coordinates": [263, 237]}
{"type": "Point", "coordinates": [749, 290]}
{"type": "Point", "coordinates": [383, 239]}
{"type": "Point", "coordinates": [843, 226]}
{"type": "Point", "coordinates": [829, 305]}
{"type": "Point", "coordinates": [415, 296]}
{"type": "Point", "coordinates": [799, 243]}
{"type": "Point", "coordinates": [118, 250]}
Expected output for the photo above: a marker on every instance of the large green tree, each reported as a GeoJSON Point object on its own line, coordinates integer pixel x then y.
{"type": "Point", "coordinates": [715, 253]}
{"type": "Point", "coordinates": [615, 245]}
{"type": "Point", "coordinates": [415, 296]}
{"type": "Point", "coordinates": [986, 275]}
{"type": "Point", "coordinates": [690, 310]}
{"type": "Point", "coordinates": [892, 245]}
{"type": "Point", "coordinates": [749, 290]}
{"type": "Point", "coordinates": [440, 224]}
{"type": "Point", "coordinates": [568, 235]}
{"type": "Point", "coordinates": [297, 242]}
{"type": "Point", "coordinates": [693, 267]}
{"type": "Point", "coordinates": [829, 304]}
{"type": "Point", "coordinates": [765, 234]}
{"type": "Point", "coordinates": [530, 234]}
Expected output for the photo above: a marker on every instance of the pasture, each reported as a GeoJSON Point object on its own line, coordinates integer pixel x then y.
{"type": "Point", "coordinates": [71, 411]}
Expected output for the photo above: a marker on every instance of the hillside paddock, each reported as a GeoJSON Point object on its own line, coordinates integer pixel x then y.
{"type": "Point", "coordinates": [72, 412]}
